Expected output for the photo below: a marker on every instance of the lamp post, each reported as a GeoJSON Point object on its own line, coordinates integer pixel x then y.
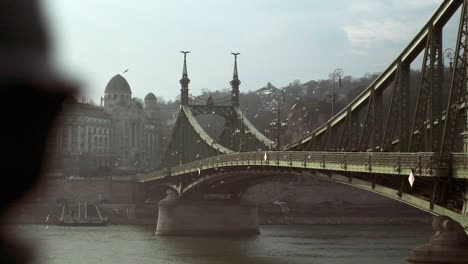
{"type": "Point", "coordinates": [449, 54]}
{"type": "Point", "coordinates": [336, 73]}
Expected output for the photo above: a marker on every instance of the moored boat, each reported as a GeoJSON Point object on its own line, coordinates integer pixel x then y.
{"type": "Point", "coordinates": [82, 216]}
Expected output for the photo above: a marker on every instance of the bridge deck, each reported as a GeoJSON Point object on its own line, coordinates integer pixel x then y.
{"type": "Point", "coordinates": [426, 164]}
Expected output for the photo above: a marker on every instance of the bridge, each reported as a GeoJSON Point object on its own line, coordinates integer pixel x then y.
{"type": "Point", "coordinates": [373, 143]}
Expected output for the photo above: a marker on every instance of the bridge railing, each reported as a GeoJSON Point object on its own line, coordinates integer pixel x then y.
{"type": "Point", "coordinates": [460, 165]}
{"type": "Point", "coordinates": [421, 164]}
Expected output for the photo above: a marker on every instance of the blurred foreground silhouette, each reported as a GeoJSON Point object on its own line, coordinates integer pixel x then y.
{"type": "Point", "coordinates": [28, 79]}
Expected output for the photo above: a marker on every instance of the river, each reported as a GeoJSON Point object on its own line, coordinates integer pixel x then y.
{"type": "Point", "coordinates": [330, 244]}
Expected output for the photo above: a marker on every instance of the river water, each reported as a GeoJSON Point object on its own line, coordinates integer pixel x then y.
{"type": "Point", "coordinates": [315, 244]}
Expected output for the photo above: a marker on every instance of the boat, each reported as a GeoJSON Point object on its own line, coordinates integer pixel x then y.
{"type": "Point", "coordinates": [82, 216]}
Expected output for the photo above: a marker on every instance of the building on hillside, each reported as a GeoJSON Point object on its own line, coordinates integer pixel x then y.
{"type": "Point", "coordinates": [122, 133]}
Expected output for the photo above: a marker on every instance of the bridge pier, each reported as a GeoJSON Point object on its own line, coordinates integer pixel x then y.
{"type": "Point", "coordinates": [448, 245]}
{"type": "Point", "coordinates": [179, 217]}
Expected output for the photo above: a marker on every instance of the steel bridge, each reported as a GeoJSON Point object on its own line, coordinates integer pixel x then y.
{"type": "Point", "coordinates": [373, 143]}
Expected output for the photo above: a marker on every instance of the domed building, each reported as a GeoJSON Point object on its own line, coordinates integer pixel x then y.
{"type": "Point", "coordinates": [123, 132]}
{"type": "Point", "coordinates": [117, 92]}
{"type": "Point", "coordinates": [135, 140]}
{"type": "Point", "coordinates": [151, 105]}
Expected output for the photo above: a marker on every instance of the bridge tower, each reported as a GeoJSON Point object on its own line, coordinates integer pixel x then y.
{"type": "Point", "coordinates": [235, 83]}
{"type": "Point", "coordinates": [184, 82]}
{"type": "Point", "coordinates": [190, 142]}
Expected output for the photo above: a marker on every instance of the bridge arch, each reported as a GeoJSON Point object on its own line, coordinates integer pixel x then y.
{"type": "Point", "coordinates": [237, 180]}
{"type": "Point", "coordinates": [383, 173]}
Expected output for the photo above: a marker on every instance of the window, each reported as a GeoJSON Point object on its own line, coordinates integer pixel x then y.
{"type": "Point", "coordinates": [74, 138]}
{"type": "Point", "coordinates": [101, 145]}
{"type": "Point", "coordinates": [106, 144]}
{"type": "Point", "coordinates": [95, 146]}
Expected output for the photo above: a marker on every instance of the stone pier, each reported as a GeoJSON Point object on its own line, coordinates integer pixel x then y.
{"type": "Point", "coordinates": [207, 217]}
{"type": "Point", "coordinates": [449, 245]}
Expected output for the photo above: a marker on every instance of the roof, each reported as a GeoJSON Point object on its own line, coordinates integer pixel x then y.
{"type": "Point", "coordinates": [118, 84]}
{"type": "Point", "coordinates": [150, 97]}
{"type": "Point", "coordinates": [95, 111]}
{"type": "Point", "coordinates": [88, 110]}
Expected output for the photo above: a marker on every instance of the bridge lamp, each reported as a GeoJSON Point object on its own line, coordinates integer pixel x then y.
{"type": "Point", "coordinates": [337, 73]}
{"type": "Point", "coordinates": [449, 54]}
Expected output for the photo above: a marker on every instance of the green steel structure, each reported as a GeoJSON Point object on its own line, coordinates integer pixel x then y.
{"type": "Point", "coordinates": [385, 173]}
{"type": "Point", "coordinates": [373, 144]}
{"type": "Point", "coordinates": [189, 141]}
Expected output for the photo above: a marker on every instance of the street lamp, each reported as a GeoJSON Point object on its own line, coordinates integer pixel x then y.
{"type": "Point", "coordinates": [336, 73]}
{"type": "Point", "coordinates": [449, 54]}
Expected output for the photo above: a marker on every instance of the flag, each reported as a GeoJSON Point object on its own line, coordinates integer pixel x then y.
{"type": "Point", "coordinates": [411, 178]}
{"type": "Point", "coordinates": [125, 71]}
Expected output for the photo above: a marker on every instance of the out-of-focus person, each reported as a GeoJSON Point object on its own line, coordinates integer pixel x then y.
{"type": "Point", "coordinates": [27, 80]}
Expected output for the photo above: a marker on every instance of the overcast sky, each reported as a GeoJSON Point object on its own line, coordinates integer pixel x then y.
{"type": "Point", "coordinates": [279, 41]}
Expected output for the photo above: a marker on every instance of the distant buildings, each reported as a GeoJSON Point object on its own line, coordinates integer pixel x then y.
{"type": "Point", "coordinates": [122, 133]}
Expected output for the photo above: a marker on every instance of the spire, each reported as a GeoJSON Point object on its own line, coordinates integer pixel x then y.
{"type": "Point", "coordinates": [184, 81]}
{"type": "Point", "coordinates": [235, 83]}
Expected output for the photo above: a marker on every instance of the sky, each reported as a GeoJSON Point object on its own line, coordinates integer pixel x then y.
{"type": "Point", "coordinates": [279, 41]}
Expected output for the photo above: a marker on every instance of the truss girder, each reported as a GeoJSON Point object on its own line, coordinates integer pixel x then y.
{"type": "Point", "coordinates": [369, 120]}
{"type": "Point", "coordinates": [402, 126]}
{"type": "Point", "coordinates": [240, 135]}
{"type": "Point", "coordinates": [424, 133]}
{"type": "Point", "coordinates": [189, 142]}
{"type": "Point", "coordinates": [221, 110]}
{"type": "Point", "coordinates": [457, 93]}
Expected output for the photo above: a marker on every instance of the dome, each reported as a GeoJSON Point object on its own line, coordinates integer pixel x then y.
{"type": "Point", "coordinates": [150, 97]}
{"type": "Point", "coordinates": [118, 84]}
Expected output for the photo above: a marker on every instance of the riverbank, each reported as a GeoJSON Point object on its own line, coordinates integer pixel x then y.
{"type": "Point", "coordinates": [269, 214]}
{"type": "Point", "coordinates": [310, 214]}
{"type": "Point", "coordinates": [117, 214]}
{"type": "Point", "coordinates": [268, 220]}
